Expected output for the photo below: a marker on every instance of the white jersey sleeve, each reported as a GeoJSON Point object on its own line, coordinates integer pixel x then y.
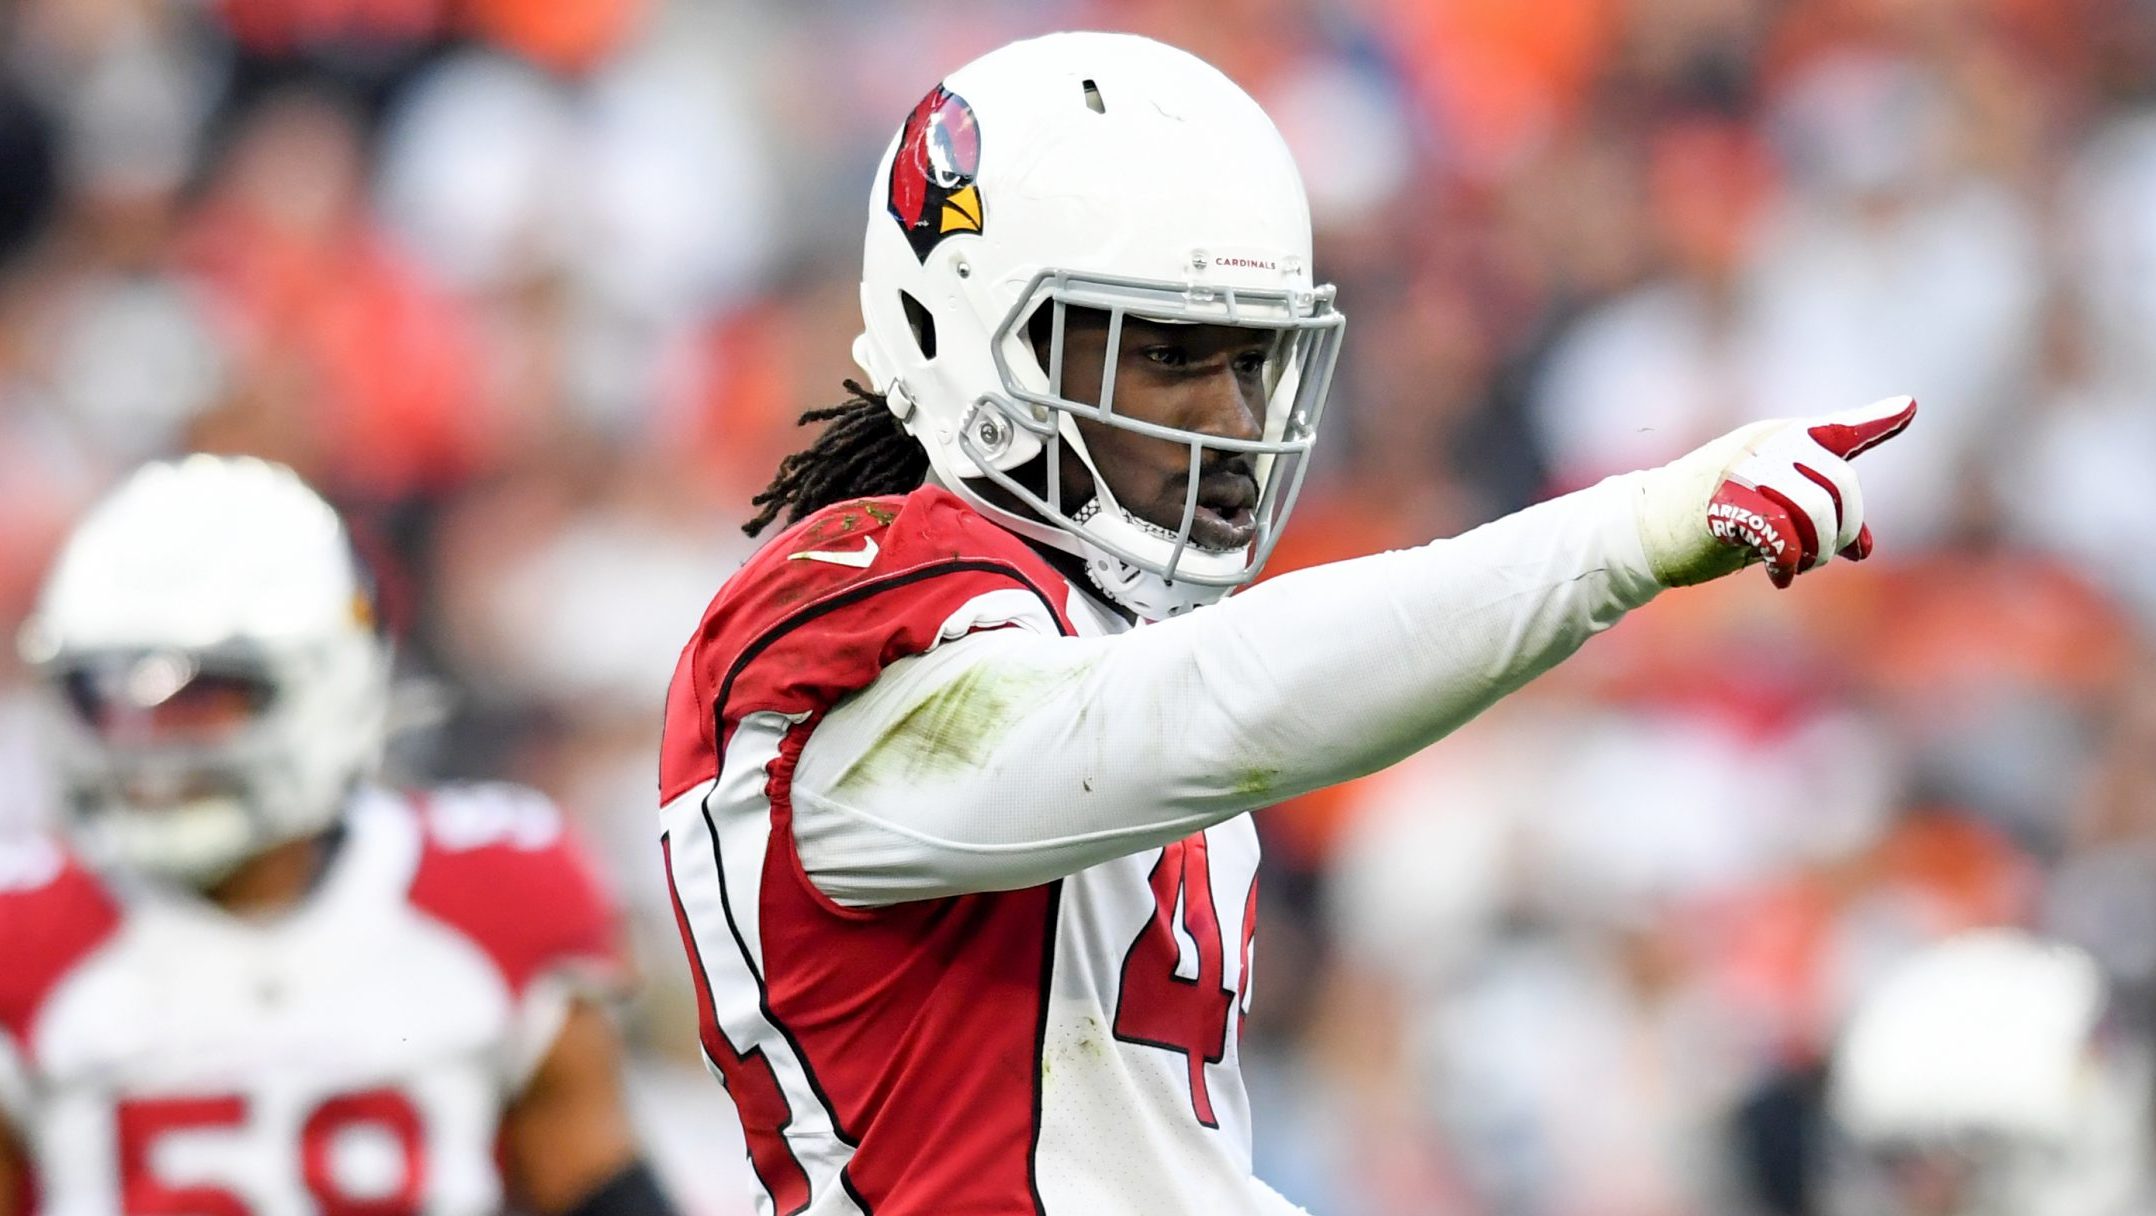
{"type": "Point", "coordinates": [1012, 757]}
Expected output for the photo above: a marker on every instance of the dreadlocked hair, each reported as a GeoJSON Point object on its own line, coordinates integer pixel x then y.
{"type": "Point", "coordinates": [864, 452]}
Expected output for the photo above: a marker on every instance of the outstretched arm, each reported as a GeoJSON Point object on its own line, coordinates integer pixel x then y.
{"type": "Point", "coordinates": [1012, 757]}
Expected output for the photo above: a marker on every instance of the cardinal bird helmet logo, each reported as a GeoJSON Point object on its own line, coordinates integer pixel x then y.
{"type": "Point", "coordinates": [932, 189]}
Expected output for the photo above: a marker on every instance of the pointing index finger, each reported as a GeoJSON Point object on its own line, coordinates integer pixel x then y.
{"type": "Point", "coordinates": [1854, 432]}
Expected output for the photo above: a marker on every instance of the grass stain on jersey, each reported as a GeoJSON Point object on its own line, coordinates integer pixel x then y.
{"type": "Point", "coordinates": [831, 528]}
{"type": "Point", "coordinates": [1255, 782]}
{"type": "Point", "coordinates": [1087, 1050]}
{"type": "Point", "coordinates": [954, 729]}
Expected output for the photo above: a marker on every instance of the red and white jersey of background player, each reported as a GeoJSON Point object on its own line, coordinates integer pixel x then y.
{"type": "Point", "coordinates": [161, 1058]}
{"type": "Point", "coordinates": [1065, 1048]}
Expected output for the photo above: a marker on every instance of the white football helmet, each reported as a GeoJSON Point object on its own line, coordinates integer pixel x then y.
{"type": "Point", "coordinates": [1983, 1078]}
{"type": "Point", "coordinates": [1102, 171]}
{"type": "Point", "coordinates": [218, 679]}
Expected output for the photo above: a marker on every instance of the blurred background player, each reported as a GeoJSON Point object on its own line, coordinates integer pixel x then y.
{"type": "Point", "coordinates": [1991, 1075]}
{"type": "Point", "coordinates": [253, 981]}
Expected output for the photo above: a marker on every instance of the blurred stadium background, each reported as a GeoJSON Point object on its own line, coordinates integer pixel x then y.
{"type": "Point", "coordinates": [534, 288]}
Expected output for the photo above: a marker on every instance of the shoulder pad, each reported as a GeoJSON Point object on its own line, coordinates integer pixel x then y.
{"type": "Point", "coordinates": [821, 610]}
{"type": "Point", "coordinates": [53, 914]}
{"type": "Point", "coordinates": [874, 538]}
{"type": "Point", "coordinates": [499, 866]}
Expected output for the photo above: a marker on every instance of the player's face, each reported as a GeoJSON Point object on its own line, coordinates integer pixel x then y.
{"type": "Point", "coordinates": [164, 699]}
{"type": "Point", "coordinates": [167, 726]}
{"type": "Point", "coordinates": [1204, 378]}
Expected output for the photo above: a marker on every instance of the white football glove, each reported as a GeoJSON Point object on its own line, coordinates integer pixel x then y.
{"type": "Point", "coordinates": [1781, 492]}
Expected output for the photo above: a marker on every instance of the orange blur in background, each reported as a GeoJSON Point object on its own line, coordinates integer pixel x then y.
{"type": "Point", "coordinates": [534, 290]}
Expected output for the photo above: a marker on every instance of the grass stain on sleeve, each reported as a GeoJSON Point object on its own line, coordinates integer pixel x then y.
{"type": "Point", "coordinates": [956, 728]}
{"type": "Point", "coordinates": [1255, 782]}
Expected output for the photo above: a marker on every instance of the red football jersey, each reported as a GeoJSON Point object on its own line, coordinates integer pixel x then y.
{"type": "Point", "coordinates": [1064, 1048]}
{"type": "Point", "coordinates": [354, 1054]}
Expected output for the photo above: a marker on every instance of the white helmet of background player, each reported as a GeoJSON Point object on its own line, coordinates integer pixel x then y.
{"type": "Point", "coordinates": [220, 683]}
{"type": "Point", "coordinates": [1982, 1078]}
{"type": "Point", "coordinates": [1107, 172]}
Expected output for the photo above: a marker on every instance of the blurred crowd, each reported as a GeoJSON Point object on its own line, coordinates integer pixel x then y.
{"type": "Point", "coordinates": [535, 288]}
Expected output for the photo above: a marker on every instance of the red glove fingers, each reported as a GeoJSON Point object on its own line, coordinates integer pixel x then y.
{"type": "Point", "coordinates": [1741, 514]}
{"type": "Point", "coordinates": [1854, 432]}
{"type": "Point", "coordinates": [1858, 549]}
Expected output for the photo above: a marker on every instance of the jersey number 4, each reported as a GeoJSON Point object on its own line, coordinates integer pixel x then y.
{"type": "Point", "coordinates": [1168, 1001]}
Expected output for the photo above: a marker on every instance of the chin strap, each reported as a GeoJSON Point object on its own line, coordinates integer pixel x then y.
{"type": "Point", "coordinates": [1146, 594]}
{"type": "Point", "coordinates": [1143, 592]}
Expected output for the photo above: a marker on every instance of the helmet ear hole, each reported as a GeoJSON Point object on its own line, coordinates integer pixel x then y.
{"type": "Point", "coordinates": [921, 322]}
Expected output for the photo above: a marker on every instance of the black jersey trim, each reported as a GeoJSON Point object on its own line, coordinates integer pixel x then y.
{"type": "Point", "coordinates": [1040, 1041]}
{"type": "Point", "coordinates": [846, 598]}
{"type": "Point", "coordinates": [763, 993]}
{"type": "Point", "coordinates": [854, 594]}
{"type": "Point", "coordinates": [702, 978]}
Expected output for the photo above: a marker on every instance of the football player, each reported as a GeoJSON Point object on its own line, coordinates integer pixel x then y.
{"type": "Point", "coordinates": [962, 859]}
{"type": "Point", "coordinates": [252, 983]}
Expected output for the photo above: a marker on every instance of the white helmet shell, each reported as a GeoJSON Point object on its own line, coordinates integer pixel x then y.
{"type": "Point", "coordinates": [1992, 1044]}
{"type": "Point", "coordinates": [210, 566]}
{"type": "Point", "coordinates": [1104, 171]}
